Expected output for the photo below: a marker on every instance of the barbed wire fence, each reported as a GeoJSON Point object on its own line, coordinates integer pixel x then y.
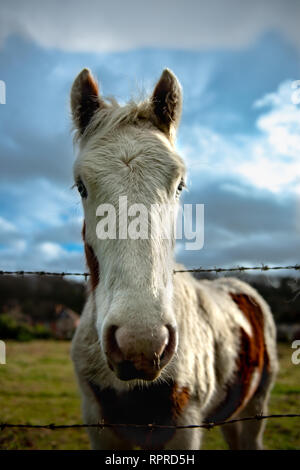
{"type": "Point", "coordinates": [150, 427]}
{"type": "Point", "coordinates": [262, 267]}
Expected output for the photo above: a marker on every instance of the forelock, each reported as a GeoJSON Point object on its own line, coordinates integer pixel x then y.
{"type": "Point", "coordinates": [109, 119]}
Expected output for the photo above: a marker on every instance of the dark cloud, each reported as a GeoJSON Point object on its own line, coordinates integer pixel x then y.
{"type": "Point", "coordinates": [241, 209]}
{"type": "Point", "coordinates": [243, 224]}
{"type": "Point", "coordinates": [116, 25]}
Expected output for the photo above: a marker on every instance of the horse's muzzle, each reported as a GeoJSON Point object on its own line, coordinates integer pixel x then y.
{"type": "Point", "coordinates": [132, 356]}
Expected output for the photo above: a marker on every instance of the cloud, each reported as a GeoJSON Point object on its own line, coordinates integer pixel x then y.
{"type": "Point", "coordinates": [249, 251]}
{"type": "Point", "coordinates": [275, 163]}
{"type": "Point", "coordinates": [23, 255]}
{"type": "Point", "coordinates": [242, 225]}
{"type": "Point", "coordinates": [282, 122]}
{"type": "Point", "coordinates": [8, 231]}
{"type": "Point", "coordinates": [6, 226]}
{"type": "Point", "coordinates": [40, 227]}
{"type": "Point", "coordinates": [116, 25]}
{"type": "Point", "coordinates": [268, 160]}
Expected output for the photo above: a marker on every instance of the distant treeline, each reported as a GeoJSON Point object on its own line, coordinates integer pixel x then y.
{"type": "Point", "coordinates": [284, 299]}
{"type": "Point", "coordinates": [38, 296]}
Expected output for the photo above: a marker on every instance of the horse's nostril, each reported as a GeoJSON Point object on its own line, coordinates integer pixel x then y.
{"type": "Point", "coordinates": [170, 347]}
{"type": "Point", "coordinates": [162, 343]}
{"type": "Point", "coordinates": [163, 354]}
{"type": "Point", "coordinates": [111, 346]}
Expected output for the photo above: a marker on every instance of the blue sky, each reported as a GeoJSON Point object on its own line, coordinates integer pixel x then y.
{"type": "Point", "coordinates": [239, 135]}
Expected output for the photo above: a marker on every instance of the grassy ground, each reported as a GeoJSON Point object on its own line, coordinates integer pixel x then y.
{"type": "Point", "coordinates": [37, 385]}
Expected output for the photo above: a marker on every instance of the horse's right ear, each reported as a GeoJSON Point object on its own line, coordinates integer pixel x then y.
{"type": "Point", "coordinates": [85, 100]}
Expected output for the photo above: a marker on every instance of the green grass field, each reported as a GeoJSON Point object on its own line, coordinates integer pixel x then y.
{"type": "Point", "coordinates": [37, 386]}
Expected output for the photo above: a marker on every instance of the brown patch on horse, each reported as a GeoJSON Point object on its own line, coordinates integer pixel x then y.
{"type": "Point", "coordinates": [252, 348]}
{"type": "Point", "coordinates": [91, 261]}
{"type": "Point", "coordinates": [157, 403]}
{"type": "Point", "coordinates": [180, 398]}
{"type": "Point", "coordinates": [252, 359]}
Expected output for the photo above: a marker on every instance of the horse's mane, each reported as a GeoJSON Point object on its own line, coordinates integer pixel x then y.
{"type": "Point", "coordinates": [113, 115]}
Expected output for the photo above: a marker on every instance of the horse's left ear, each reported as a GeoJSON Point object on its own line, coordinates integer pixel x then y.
{"type": "Point", "coordinates": [166, 102]}
{"type": "Point", "coordinates": [85, 100]}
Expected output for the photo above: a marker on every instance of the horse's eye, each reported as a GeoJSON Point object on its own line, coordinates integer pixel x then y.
{"type": "Point", "coordinates": [180, 187]}
{"type": "Point", "coordinates": [82, 189]}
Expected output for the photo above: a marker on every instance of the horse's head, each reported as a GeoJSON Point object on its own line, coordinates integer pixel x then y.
{"type": "Point", "coordinates": [130, 178]}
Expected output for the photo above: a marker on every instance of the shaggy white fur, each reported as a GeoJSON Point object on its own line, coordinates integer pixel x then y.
{"type": "Point", "coordinates": [225, 361]}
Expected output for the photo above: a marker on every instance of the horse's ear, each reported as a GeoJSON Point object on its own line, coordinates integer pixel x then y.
{"type": "Point", "coordinates": [85, 100]}
{"type": "Point", "coordinates": [166, 102]}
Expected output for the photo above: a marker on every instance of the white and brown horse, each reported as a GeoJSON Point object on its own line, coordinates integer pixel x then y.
{"type": "Point", "coordinates": [151, 346]}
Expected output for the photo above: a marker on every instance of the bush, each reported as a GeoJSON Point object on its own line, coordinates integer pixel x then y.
{"type": "Point", "coordinates": [11, 329]}
{"type": "Point", "coordinates": [41, 332]}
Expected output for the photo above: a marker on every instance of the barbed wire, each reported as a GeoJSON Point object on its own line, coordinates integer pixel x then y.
{"type": "Point", "coordinates": [102, 424]}
{"type": "Point", "coordinates": [263, 267]}
{"type": "Point", "coordinates": [43, 273]}
{"type": "Point", "coordinates": [215, 269]}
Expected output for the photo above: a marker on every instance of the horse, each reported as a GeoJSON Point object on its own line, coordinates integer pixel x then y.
{"type": "Point", "coordinates": [153, 346]}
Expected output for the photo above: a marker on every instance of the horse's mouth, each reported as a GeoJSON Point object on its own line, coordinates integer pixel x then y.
{"type": "Point", "coordinates": [126, 370]}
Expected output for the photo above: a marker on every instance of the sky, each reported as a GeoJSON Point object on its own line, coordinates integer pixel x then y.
{"type": "Point", "coordinates": [239, 136]}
